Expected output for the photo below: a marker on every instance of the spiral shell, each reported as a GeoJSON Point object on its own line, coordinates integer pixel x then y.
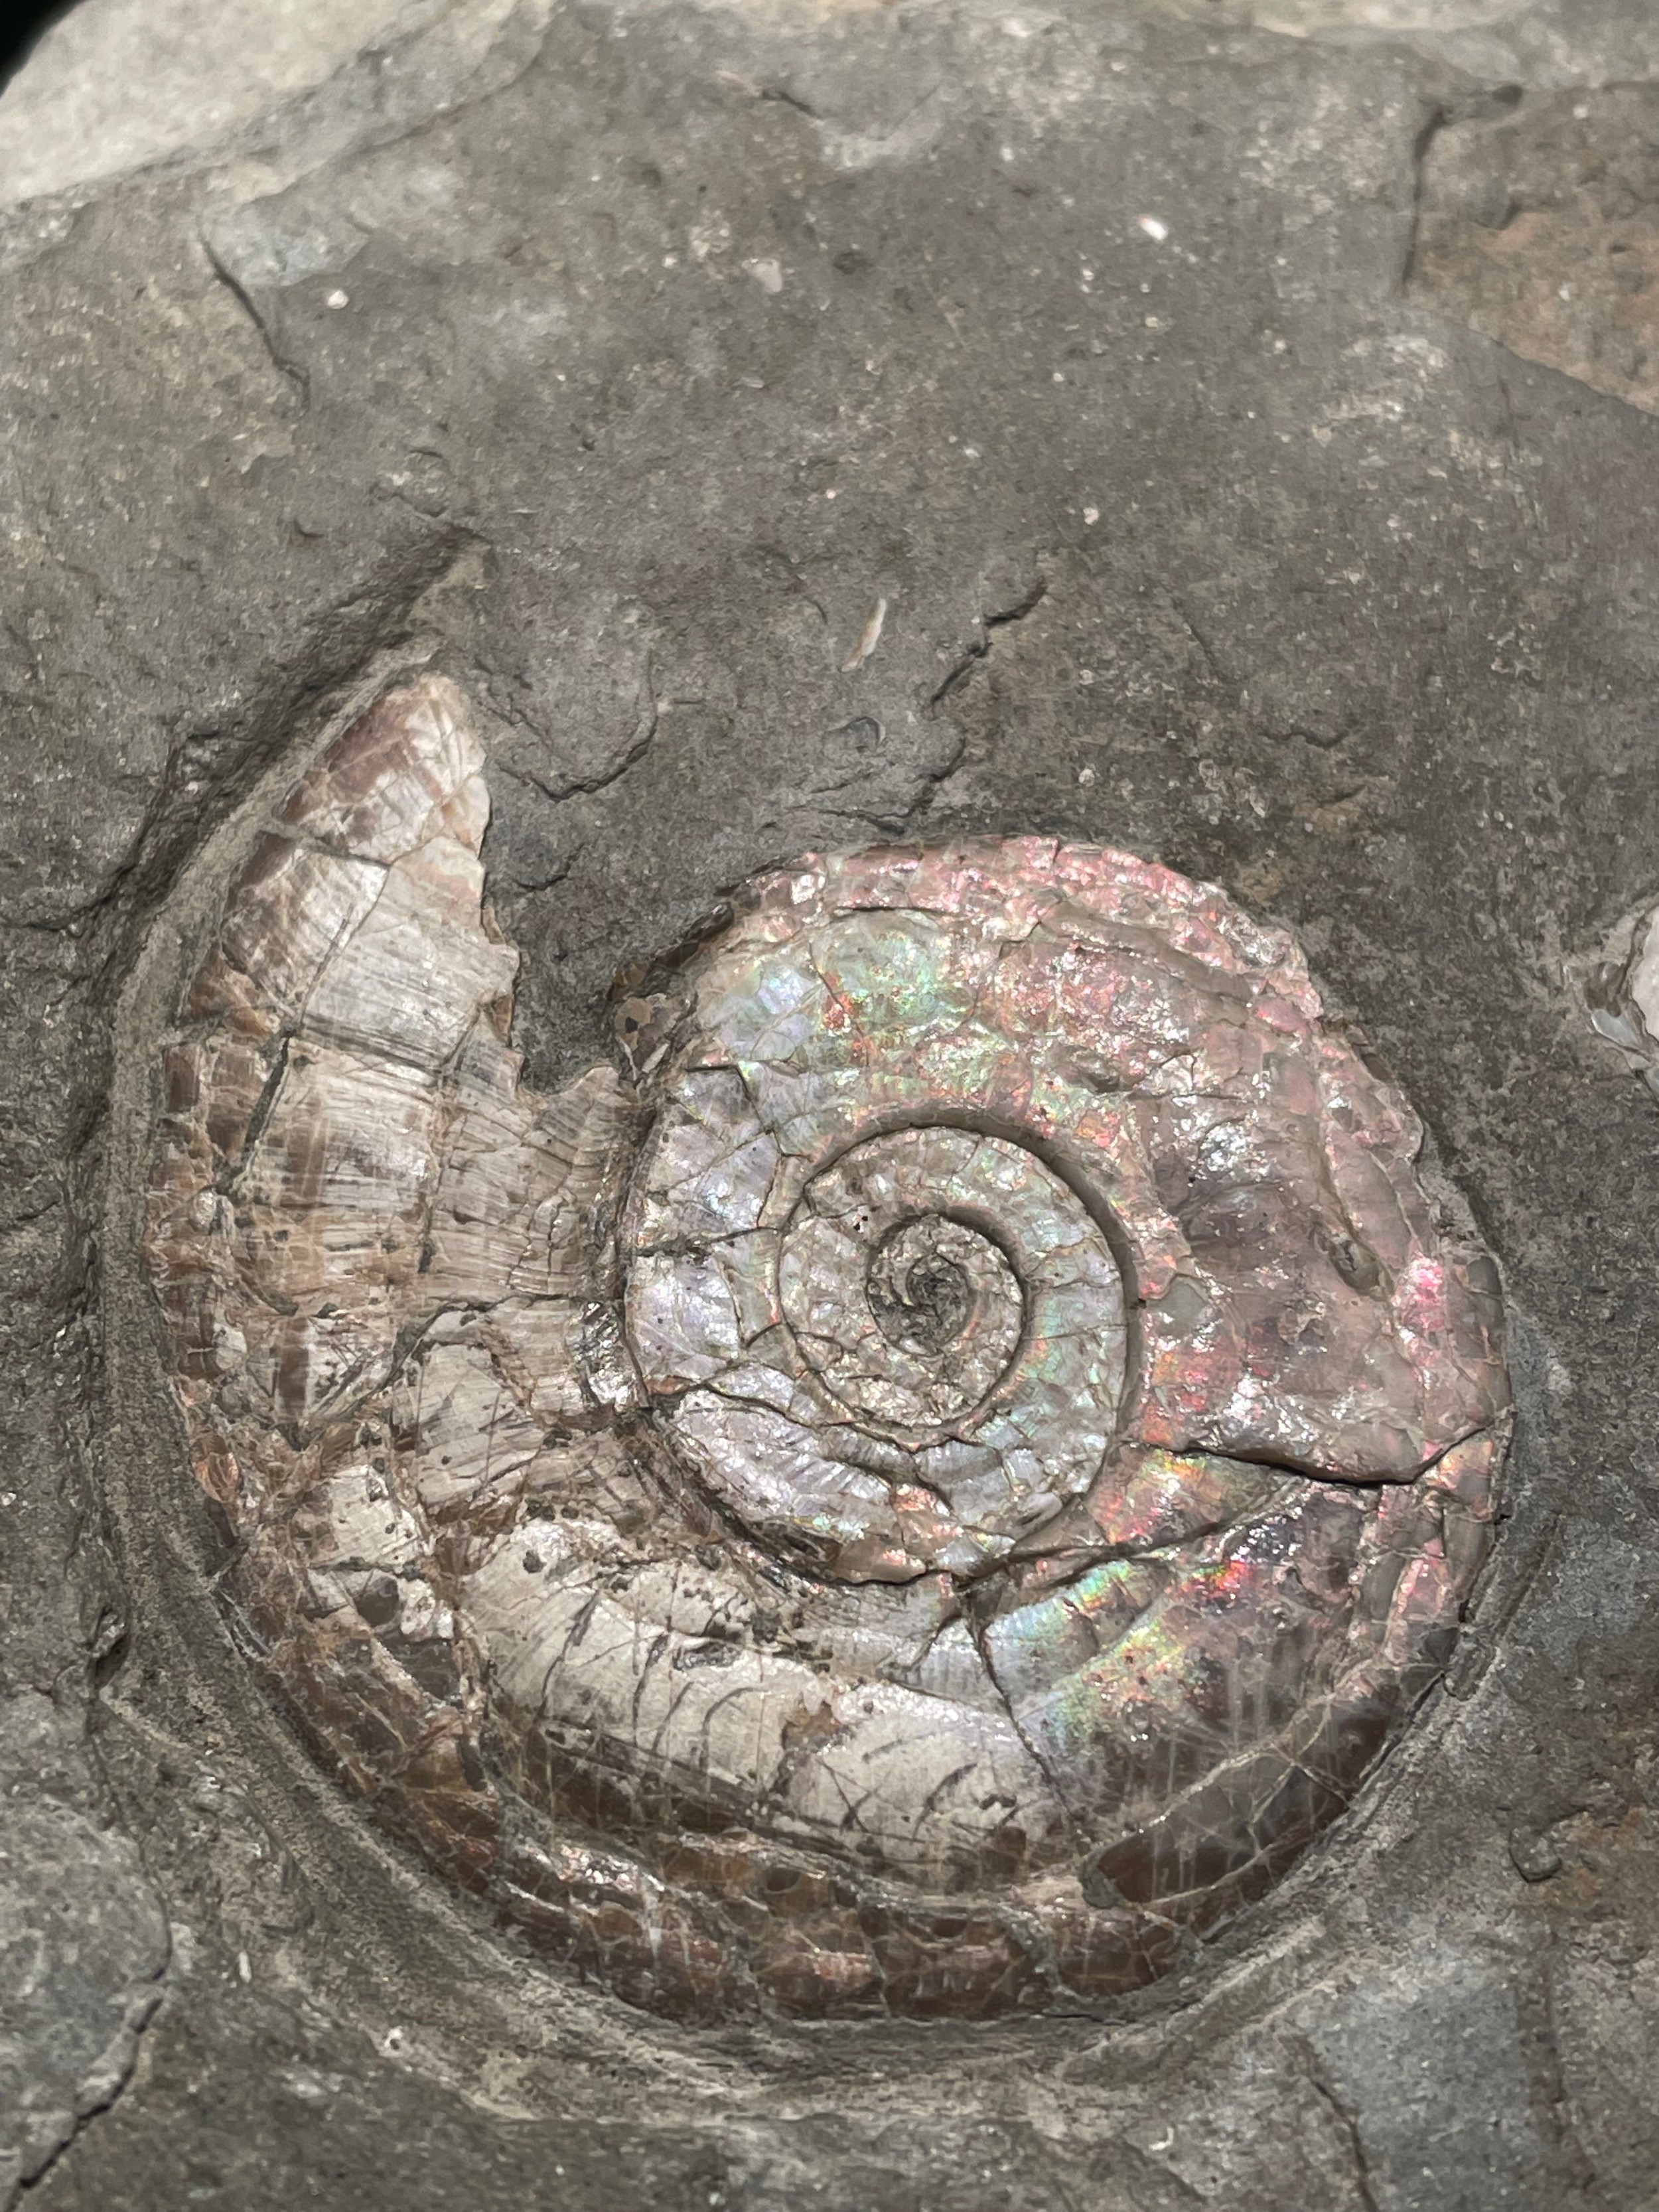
{"type": "Point", "coordinates": [932, 1485]}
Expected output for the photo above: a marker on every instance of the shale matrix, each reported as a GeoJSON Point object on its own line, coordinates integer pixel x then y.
{"type": "Point", "coordinates": [831, 1019]}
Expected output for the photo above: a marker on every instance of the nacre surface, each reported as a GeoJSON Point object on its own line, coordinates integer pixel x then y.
{"type": "Point", "coordinates": [927, 1481]}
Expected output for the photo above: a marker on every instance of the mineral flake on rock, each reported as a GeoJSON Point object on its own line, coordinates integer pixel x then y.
{"type": "Point", "coordinates": [936, 1482]}
{"type": "Point", "coordinates": [1619, 990]}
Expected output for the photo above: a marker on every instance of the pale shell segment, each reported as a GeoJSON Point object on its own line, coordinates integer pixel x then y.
{"type": "Point", "coordinates": [936, 1484]}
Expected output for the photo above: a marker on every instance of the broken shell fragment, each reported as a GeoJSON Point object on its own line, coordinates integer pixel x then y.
{"type": "Point", "coordinates": [930, 1485]}
{"type": "Point", "coordinates": [1619, 989]}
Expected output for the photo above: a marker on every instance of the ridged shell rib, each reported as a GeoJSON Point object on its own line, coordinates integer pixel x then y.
{"type": "Point", "coordinates": [941, 1481]}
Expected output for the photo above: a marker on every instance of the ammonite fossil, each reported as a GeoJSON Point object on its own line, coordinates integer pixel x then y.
{"type": "Point", "coordinates": [925, 1484]}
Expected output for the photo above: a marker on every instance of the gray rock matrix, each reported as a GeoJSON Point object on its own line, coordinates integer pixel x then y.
{"type": "Point", "coordinates": [619, 362]}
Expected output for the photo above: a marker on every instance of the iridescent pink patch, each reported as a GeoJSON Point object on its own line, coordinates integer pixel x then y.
{"type": "Point", "coordinates": [932, 1478]}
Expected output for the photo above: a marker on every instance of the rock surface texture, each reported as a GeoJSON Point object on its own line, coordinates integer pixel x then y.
{"type": "Point", "coordinates": [1177, 446]}
{"type": "Point", "coordinates": [944, 1480]}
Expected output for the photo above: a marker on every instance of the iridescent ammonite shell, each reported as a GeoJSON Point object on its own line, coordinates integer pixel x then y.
{"type": "Point", "coordinates": [929, 1487]}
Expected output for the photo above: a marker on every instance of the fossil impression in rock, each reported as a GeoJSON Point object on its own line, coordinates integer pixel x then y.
{"type": "Point", "coordinates": [927, 1482]}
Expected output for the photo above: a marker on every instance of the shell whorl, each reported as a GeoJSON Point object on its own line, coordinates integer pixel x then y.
{"type": "Point", "coordinates": [932, 1484]}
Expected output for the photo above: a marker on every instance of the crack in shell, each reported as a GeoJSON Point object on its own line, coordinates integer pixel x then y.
{"type": "Point", "coordinates": [930, 1487]}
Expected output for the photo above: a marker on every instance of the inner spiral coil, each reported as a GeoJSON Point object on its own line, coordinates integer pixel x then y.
{"type": "Point", "coordinates": [763, 1346]}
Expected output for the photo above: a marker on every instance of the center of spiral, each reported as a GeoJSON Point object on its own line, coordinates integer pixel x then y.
{"type": "Point", "coordinates": [913, 1368]}
{"type": "Point", "coordinates": [895, 1282]}
{"type": "Point", "coordinates": [921, 1283]}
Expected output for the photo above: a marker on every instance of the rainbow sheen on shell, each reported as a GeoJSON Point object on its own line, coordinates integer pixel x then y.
{"type": "Point", "coordinates": [927, 1481]}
